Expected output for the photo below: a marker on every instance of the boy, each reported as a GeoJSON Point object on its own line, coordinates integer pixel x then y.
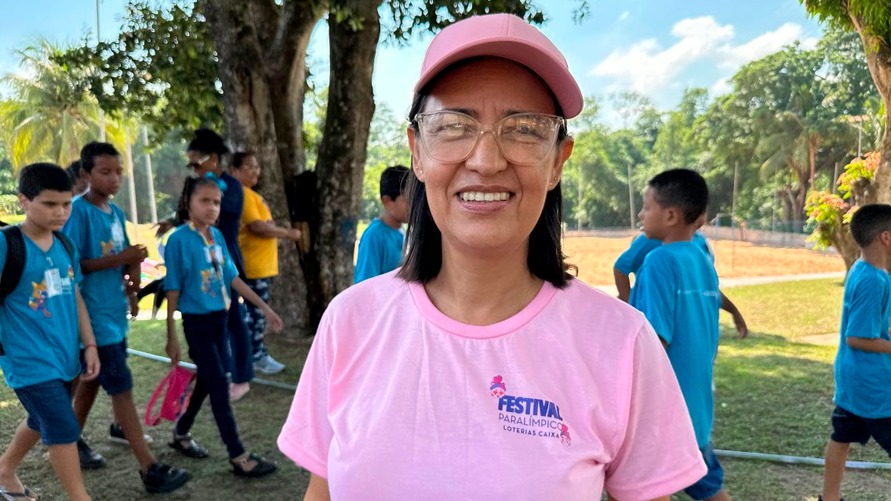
{"type": "Point", "coordinates": [863, 362]}
{"type": "Point", "coordinates": [380, 248]}
{"type": "Point", "coordinates": [41, 318]}
{"type": "Point", "coordinates": [631, 260]}
{"type": "Point", "coordinates": [96, 228]}
{"type": "Point", "coordinates": [677, 290]}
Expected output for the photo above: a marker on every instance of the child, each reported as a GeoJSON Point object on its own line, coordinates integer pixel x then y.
{"type": "Point", "coordinates": [380, 248]}
{"type": "Point", "coordinates": [199, 274]}
{"type": "Point", "coordinates": [863, 362]}
{"type": "Point", "coordinates": [631, 260]}
{"type": "Point", "coordinates": [96, 227]}
{"type": "Point", "coordinates": [41, 319]}
{"type": "Point", "coordinates": [677, 290]}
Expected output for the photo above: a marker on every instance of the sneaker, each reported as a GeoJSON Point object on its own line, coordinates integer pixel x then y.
{"type": "Point", "coordinates": [89, 459]}
{"type": "Point", "coordinates": [268, 365]}
{"type": "Point", "coordinates": [162, 478]}
{"type": "Point", "coordinates": [116, 435]}
{"type": "Point", "coordinates": [238, 390]}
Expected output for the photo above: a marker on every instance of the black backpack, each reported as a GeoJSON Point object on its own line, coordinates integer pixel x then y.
{"type": "Point", "coordinates": [15, 260]}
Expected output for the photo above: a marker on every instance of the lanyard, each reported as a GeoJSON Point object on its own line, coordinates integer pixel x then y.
{"type": "Point", "coordinates": [210, 246]}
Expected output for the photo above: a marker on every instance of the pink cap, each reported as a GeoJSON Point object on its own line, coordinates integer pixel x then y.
{"type": "Point", "coordinates": [510, 37]}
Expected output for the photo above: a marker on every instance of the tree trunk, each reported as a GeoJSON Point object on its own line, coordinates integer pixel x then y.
{"type": "Point", "coordinates": [341, 161]}
{"type": "Point", "coordinates": [263, 48]}
{"type": "Point", "coordinates": [878, 58]}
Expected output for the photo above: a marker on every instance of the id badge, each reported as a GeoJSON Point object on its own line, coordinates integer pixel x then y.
{"type": "Point", "coordinates": [117, 234]}
{"type": "Point", "coordinates": [218, 254]}
{"type": "Point", "coordinates": [53, 282]}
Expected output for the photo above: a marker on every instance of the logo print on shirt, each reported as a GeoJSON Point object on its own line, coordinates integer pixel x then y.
{"type": "Point", "coordinates": [529, 416]}
{"type": "Point", "coordinates": [107, 247]}
{"type": "Point", "coordinates": [206, 278]}
{"type": "Point", "coordinates": [37, 301]}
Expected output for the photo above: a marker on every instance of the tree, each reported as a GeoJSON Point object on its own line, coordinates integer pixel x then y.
{"type": "Point", "coordinates": [872, 21]}
{"type": "Point", "coordinates": [254, 52]}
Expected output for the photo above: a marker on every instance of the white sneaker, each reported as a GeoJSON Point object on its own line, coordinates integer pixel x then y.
{"type": "Point", "coordinates": [268, 365]}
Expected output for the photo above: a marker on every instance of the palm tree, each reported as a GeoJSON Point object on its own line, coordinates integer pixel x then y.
{"type": "Point", "coordinates": [51, 114]}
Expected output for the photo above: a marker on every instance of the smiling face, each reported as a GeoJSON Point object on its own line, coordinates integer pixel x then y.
{"type": "Point", "coordinates": [486, 202]}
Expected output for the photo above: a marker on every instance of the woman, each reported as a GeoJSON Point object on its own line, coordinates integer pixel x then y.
{"type": "Point", "coordinates": [258, 241]}
{"type": "Point", "coordinates": [482, 370]}
{"type": "Point", "coordinates": [206, 152]}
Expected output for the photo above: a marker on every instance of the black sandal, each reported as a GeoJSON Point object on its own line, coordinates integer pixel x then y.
{"type": "Point", "coordinates": [261, 469]}
{"type": "Point", "coordinates": [186, 445]}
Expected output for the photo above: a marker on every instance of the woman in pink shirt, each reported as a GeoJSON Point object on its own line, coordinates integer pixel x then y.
{"type": "Point", "coordinates": [482, 369]}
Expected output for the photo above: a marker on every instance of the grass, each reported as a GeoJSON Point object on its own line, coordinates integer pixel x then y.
{"type": "Point", "coordinates": [773, 395]}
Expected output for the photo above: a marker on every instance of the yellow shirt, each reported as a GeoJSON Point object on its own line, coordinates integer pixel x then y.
{"type": "Point", "coordinates": [260, 254]}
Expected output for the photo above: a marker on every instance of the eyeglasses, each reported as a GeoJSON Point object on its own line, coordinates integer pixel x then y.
{"type": "Point", "coordinates": [197, 165]}
{"type": "Point", "coordinates": [523, 138]}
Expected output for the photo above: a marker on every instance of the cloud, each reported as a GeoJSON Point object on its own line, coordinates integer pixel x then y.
{"type": "Point", "coordinates": [647, 67]}
{"type": "Point", "coordinates": [625, 15]}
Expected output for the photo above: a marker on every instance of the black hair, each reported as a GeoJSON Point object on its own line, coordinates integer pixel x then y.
{"type": "Point", "coordinates": [423, 260]}
{"type": "Point", "coordinates": [393, 181]}
{"type": "Point", "coordinates": [189, 187]}
{"type": "Point", "coordinates": [39, 177]}
{"type": "Point", "coordinates": [208, 142]}
{"type": "Point", "coordinates": [95, 149]}
{"type": "Point", "coordinates": [684, 189]}
{"type": "Point", "coordinates": [869, 221]}
{"type": "Point", "coordinates": [239, 157]}
{"type": "Point", "coordinates": [73, 171]}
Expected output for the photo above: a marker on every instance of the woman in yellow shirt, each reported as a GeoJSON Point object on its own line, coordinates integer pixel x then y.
{"type": "Point", "coordinates": [258, 239]}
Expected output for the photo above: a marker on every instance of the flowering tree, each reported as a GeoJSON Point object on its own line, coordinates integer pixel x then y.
{"type": "Point", "coordinates": [832, 212]}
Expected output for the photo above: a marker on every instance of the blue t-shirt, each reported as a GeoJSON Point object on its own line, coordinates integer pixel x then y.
{"type": "Point", "coordinates": [95, 234]}
{"type": "Point", "coordinates": [863, 378]}
{"type": "Point", "coordinates": [631, 260]}
{"type": "Point", "coordinates": [231, 207]}
{"type": "Point", "coordinates": [380, 250]}
{"type": "Point", "coordinates": [39, 318]}
{"type": "Point", "coordinates": [201, 270]}
{"type": "Point", "coordinates": [677, 290]}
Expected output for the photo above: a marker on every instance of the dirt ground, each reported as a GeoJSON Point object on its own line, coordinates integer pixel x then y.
{"type": "Point", "coordinates": [595, 256]}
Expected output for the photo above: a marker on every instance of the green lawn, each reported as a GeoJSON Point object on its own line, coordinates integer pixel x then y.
{"type": "Point", "coordinates": [773, 395]}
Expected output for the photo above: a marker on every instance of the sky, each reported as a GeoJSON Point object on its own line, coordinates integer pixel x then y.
{"type": "Point", "coordinates": [655, 47]}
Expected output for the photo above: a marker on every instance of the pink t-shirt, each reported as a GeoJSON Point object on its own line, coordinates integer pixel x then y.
{"type": "Point", "coordinates": [570, 395]}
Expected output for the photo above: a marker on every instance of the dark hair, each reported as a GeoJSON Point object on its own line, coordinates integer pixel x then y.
{"type": "Point", "coordinates": [39, 177]}
{"type": "Point", "coordinates": [95, 149]}
{"type": "Point", "coordinates": [208, 142]}
{"type": "Point", "coordinates": [239, 157]}
{"type": "Point", "coordinates": [191, 184]}
{"type": "Point", "coordinates": [393, 181]}
{"type": "Point", "coordinates": [681, 188]}
{"type": "Point", "coordinates": [423, 261]}
{"type": "Point", "coordinates": [869, 221]}
{"type": "Point", "coordinates": [73, 171]}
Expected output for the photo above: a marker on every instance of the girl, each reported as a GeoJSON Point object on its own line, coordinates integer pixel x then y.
{"type": "Point", "coordinates": [199, 274]}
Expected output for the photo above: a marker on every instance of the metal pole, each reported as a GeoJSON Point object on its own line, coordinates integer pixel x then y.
{"type": "Point", "coordinates": [835, 178]}
{"type": "Point", "coordinates": [131, 185]}
{"type": "Point", "coordinates": [631, 198]}
{"type": "Point", "coordinates": [151, 178]}
{"type": "Point", "coordinates": [733, 214]}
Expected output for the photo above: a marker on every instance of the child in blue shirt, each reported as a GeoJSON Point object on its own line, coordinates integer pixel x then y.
{"type": "Point", "coordinates": [380, 248]}
{"type": "Point", "coordinates": [41, 319]}
{"type": "Point", "coordinates": [97, 230]}
{"type": "Point", "coordinates": [863, 362]}
{"type": "Point", "coordinates": [677, 290]}
{"type": "Point", "coordinates": [200, 272]}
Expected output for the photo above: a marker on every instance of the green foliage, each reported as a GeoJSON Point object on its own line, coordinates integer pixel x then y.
{"type": "Point", "coordinates": [874, 15]}
{"type": "Point", "coordinates": [387, 146]}
{"type": "Point", "coordinates": [407, 17]}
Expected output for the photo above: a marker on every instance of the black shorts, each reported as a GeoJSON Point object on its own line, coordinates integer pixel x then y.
{"type": "Point", "coordinates": [848, 428]}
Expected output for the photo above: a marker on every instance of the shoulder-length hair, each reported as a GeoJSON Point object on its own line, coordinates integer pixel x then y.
{"type": "Point", "coordinates": [423, 260]}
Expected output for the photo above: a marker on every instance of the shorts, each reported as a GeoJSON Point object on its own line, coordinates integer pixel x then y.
{"type": "Point", "coordinates": [50, 412]}
{"type": "Point", "coordinates": [114, 375]}
{"type": "Point", "coordinates": [713, 481]}
{"type": "Point", "coordinates": [848, 427]}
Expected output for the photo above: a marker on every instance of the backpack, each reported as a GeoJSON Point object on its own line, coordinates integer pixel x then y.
{"type": "Point", "coordinates": [15, 260]}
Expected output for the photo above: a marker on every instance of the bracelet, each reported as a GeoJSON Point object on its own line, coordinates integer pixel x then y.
{"type": "Point", "coordinates": [90, 345]}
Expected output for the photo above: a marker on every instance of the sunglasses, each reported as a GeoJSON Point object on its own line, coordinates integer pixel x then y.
{"type": "Point", "coordinates": [197, 165]}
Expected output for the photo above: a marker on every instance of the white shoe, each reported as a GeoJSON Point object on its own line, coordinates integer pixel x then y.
{"type": "Point", "coordinates": [268, 365]}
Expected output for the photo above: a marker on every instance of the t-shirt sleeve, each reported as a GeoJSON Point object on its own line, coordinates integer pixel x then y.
{"type": "Point", "coordinates": [307, 434]}
{"type": "Point", "coordinates": [369, 262]}
{"type": "Point", "coordinates": [865, 310]}
{"type": "Point", "coordinates": [658, 455]}
{"type": "Point", "coordinates": [229, 269]}
{"type": "Point", "coordinates": [76, 230]}
{"type": "Point", "coordinates": [2, 250]}
{"type": "Point", "coordinates": [75, 265]}
{"type": "Point", "coordinates": [631, 260]}
{"type": "Point", "coordinates": [174, 257]}
{"type": "Point", "coordinates": [655, 293]}
{"type": "Point", "coordinates": [251, 211]}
